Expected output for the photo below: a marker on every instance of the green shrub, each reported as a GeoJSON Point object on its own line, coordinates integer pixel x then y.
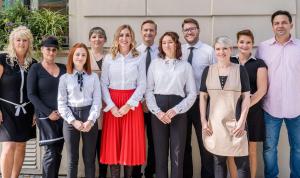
{"type": "Point", "coordinates": [41, 22]}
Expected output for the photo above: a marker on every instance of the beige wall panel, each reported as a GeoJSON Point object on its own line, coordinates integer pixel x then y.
{"type": "Point", "coordinates": [113, 7]}
{"type": "Point", "coordinates": [110, 25]}
{"type": "Point", "coordinates": [229, 25]}
{"type": "Point", "coordinates": [255, 7]}
{"type": "Point", "coordinates": [178, 7]}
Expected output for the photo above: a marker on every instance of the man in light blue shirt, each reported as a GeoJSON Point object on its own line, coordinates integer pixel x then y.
{"type": "Point", "coordinates": [199, 55]}
{"type": "Point", "coordinates": [150, 50]}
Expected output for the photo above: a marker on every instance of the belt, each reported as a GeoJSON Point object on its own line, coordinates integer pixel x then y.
{"type": "Point", "coordinates": [17, 106]}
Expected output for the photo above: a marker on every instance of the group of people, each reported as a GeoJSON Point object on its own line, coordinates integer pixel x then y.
{"type": "Point", "coordinates": [232, 100]}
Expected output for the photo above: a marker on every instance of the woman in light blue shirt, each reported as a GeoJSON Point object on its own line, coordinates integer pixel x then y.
{"type": "Point", "coordinates": [79, 104]}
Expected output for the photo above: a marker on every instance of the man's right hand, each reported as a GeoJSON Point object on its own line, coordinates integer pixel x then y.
{"type": "Point", "coordinates": [54, 116]}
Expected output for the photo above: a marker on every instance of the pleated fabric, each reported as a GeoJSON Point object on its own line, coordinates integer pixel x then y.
{"type": "Point", "coordinates": [123, 138]}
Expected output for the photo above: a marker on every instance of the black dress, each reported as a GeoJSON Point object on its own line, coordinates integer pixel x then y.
{"type": "Point", "coordinates": [42, 91]}
{"type": "Point", "coordinates": [255, 120]}
{"type": "Point", "coordinates": [17, 111]}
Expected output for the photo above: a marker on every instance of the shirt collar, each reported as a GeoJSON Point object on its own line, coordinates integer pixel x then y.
{"type": "Point", "coordinates": [76, 71]}
{"type": "Point", "coordinates": [197, 45]}
{"type": "Point", "coordinates": [129, 55]}
{"type": "Point", "coordinates": [273, 41]}
{"type": "Point", "coordinates": [152, 47]}
{"type": "Point", "coordinates": [252, 57]}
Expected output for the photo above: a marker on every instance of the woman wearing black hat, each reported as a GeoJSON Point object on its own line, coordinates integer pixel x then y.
{"type": "Point", "coordinates": [42, 87]}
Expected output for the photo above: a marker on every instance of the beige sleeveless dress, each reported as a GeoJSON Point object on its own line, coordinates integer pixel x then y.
{"type": "Point", "coordinates": [223, 109]}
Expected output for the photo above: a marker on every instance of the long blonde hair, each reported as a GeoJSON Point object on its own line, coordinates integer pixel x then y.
{"type": "Point", "coordinates": [22, 32]}
{"type": "Point", "coordinates": [115, 46]}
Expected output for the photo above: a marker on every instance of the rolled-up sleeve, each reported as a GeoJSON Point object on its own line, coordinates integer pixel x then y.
{"type": "Point", "coordinates": [104, 85]}
{"type": "Point", "coordinates": [62, 100]}
{"type": "Point", "coordinates": [150, 98]}
{"type": "Point", "coordinates": [97, 103]}
{"type": "Point", "coordinates": [191, 92]}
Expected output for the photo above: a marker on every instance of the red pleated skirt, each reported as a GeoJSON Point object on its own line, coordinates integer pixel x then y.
{"type": "Point", "coordinates": [123, 138]}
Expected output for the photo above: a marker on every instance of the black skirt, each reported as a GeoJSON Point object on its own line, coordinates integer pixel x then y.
{"type": "Point", "coordinates": [50, 131]}
{"type": "Point", "coordinates": [256, 124]}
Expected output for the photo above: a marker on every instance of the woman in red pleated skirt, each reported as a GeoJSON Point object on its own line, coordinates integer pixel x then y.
{"type": "Point", "coordinates": [123, 85]}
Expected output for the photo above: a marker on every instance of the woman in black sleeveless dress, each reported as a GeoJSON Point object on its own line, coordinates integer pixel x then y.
{"type": "Point", "coordinates": [16, 112]}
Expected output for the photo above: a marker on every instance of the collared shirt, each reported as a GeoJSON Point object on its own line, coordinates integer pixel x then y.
{"type": "Point", "coordinates": [142, 48]}
{"type": "Point", "coordinates": [123, 73]}
{"type": "Point", "coordinates": [203, 55]}
{"type": "Point", "coordinates": [283, 61]}
{"type": "Point", "coordinates": [69, 95]}
{"type": "Point", "coordinates": [170, 77]}
{"type": "Point", "coordinates": [252, 65]}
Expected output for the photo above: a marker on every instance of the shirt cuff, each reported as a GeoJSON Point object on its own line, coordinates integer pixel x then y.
{"type": "Point", "coordinates": [132, 103]}
{"type": "Point", "coordinates": [91, 118]}
{"type": "Point", "coordinates": [70, 119]}
{"type": "Point", "coordinates": [108, 107]}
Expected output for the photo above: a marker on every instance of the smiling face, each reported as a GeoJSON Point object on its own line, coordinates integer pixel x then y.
{"type": "Point", "coordinates": [148, 33]}
{"type": "Point", "coordinates": [20, 45]}
{"type": "Point", "coordinates": [49, 53]}
{"type": "Point", "coordinates": [168, 46]}
{"type": "Point", "coordinates": [191, 33]}
{"type": "Point", "coordinates": [223, 52]}
{"type": "Point", "coordinates": [125, 40]}
{"type": "Point", "coordinates": [79, 58]}
{"type": "Point", "coordinates": [281, 26]}
{"type": "Point", "coordinates": [97, 40]}
{"type": "Point", "coordinates": [245, 44]}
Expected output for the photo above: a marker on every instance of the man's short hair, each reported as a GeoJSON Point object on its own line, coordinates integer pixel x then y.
{"type": "Point", "coordinates": [281, 12]}
{"type": "Point", "coordinates": [149, 21]}
{"type": "Point", "coordinates": [190, 20]}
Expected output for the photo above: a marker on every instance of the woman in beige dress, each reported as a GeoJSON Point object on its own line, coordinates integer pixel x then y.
{"type": "Point", "coordinates": [224, 104]}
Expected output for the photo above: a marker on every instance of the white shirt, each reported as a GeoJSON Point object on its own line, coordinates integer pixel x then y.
{"type": "Point", "coordinates": [203, 55]}
{"type": "Point", "coordinates": [123, 73]}
{"type": "Point", "coordinates": [171, 77]}
{"type": "Point", "coordinates": [69, 94]}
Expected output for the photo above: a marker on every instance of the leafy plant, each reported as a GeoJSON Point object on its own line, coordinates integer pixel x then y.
{"type": "Point", "coordinates": [41, 22]}
{"type": "Point", "coordinates": [45, 22]}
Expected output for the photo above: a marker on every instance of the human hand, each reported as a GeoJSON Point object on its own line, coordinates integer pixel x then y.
{"type": "Point", "coordinates": [206, 130]}
{"type": "Point", "coordinates": [239, 130]}
{"type": "Point", "coordinates": [87, 125]}
{"type": "Point", "coordinates": [163, 117]}
{"type": "Point", "coordinates": [77, 124]}
{"type": "Point", "coordinates": [54, 116]}
{"type": "Point", "coordinates": [145, 108]}
{"type": "Point", "coordinates": [171, 113]}
{"type": "Point", "coordinates": [1, 118]}
{"type": "Point", "coordinates": [124, 109]}
{"type": "Point", "coordinates": [115, 111]}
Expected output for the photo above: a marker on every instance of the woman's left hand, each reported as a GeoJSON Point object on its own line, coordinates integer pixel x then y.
{"type": "Point", "coordinates": [34, 120]}
{"type": "Point", "coordinates": [239, 131]}
{"type": "Point", "coordinates": [124, 109]}
{"type": "Point", "coordinates": [87, 125]}
{"type": "Point", "coordinates": [171, 113]}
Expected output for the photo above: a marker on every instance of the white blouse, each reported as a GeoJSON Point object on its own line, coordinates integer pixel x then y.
{"type": "Point", "coordinates": [123, 73]}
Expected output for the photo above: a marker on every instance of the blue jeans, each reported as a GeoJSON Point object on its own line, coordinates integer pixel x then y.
{"type": "Point", "coordinates": [273, 126]}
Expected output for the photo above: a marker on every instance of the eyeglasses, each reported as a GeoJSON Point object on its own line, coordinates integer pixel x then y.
{"type": "Point", "coordinates": [192, 29]}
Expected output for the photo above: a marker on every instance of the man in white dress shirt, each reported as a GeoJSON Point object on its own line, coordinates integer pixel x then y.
{"type": "Point", "coordinates": [199, 55]}
{"type": "Point", "coordinates": [150, 50]}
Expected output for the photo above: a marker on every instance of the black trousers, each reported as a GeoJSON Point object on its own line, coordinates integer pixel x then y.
{"type": "Point", "coordinates": [171, 135]}
{"type": "Point", "coordinates": [207, 161]}
{"type": "Point", "coordinates": [150, 167]}
{"type": "Point", "coordinates": [102, 167]}
{"type": "Point", "coordinates": [242, 164]}
{"type": "Point", "coordinates": [52, 159]}
{"type": "Point", "coordinates": [72, 138]}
